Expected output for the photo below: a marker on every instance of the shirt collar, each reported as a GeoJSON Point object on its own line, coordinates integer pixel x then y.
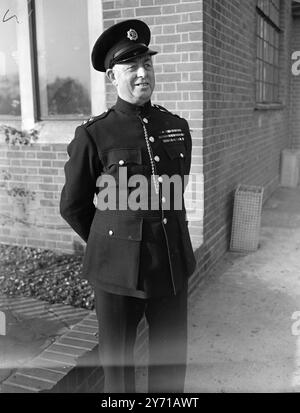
{"type": "Point", "coordinates": [127, 107]}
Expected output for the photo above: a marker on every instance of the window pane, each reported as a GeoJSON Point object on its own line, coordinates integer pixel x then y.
{"type": "Point", "coordinates": [63, 57]}
{"type": "Point", "coordinates": [9, 70]}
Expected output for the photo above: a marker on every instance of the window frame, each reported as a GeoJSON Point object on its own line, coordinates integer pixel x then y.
{"type": "Point", "coordinates": [262, 62]}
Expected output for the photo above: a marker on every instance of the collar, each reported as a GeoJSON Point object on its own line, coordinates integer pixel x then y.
{"type": "Point", "coordinates": [130, 108]}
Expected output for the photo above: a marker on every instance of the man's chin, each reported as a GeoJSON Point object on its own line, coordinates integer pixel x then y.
{"type": "Point", "coordinates": [143, 97]}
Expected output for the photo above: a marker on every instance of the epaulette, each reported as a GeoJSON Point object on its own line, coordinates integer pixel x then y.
{"type": "Point", "coordinates": [95, 118]}
{"type": "Point", "coordinates": [162, 109]}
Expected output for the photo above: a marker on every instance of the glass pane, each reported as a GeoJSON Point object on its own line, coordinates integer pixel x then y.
{"type": "Point", "coordinates": [63, 57]}
{"type": "Point", "coordinates": [9, 70]}
{"type": "Point", "coordinates": [276, 93]}
{"type": "Point", "coordinates": [271, 35]}
{"type": "Point", "coordinates": [257, 69]}
{"type": "Point", "coordinates": [271, 54]}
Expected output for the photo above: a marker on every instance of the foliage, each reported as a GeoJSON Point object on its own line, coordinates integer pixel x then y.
{"type": "Point", "coordinates": [14, 136]}
{"type": "Point", "coordinates": [44, 274]}
{"type": "Point", "coordinates": [21, 192]}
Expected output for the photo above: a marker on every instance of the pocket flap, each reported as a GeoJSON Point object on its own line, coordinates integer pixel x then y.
{"type": "Point", "coordinates": [122, 156]}
{"type": "Point", "coordinates": [128, 228]}
{"type": "Point", "coordinates": [175, 150]}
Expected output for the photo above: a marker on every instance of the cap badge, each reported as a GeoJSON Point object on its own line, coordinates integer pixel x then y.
{"type": "Point", "coordinates": [132, 34]}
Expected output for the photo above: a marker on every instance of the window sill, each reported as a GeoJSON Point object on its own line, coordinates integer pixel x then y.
{"type": "Point", "coordinates": [269, 106]}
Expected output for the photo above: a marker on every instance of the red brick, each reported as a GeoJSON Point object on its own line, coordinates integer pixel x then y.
{"type": "Point", "coordinates": [45, 374]}
{"type": "Point", "coordinates": [29, 382]}
{"type": "Point", "coordinates": [66, 350]}
{"type": "Point", "coordinates": [82, 336]}
{"type": "Point", "coordinates": [148, 11]}
{"type": "Point", "coordinates": [111, 14]}
{"type": "Point", "coordinates": [87, 345]}
{"type": "Point", "coordinates": [46, 155]}
{"type": "Point", "coordinates": [58, 358]}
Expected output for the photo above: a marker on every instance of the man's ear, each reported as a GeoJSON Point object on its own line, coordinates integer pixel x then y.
{"type": "Point", "coordinates": [111, 76]}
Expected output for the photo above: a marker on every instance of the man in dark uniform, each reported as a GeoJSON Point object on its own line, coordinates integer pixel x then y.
{"type": "Point", "coordinates": [139, 254]}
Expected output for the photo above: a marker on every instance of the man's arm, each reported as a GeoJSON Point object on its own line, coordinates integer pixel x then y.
{"type": "Point", "coordinates": [81, 173]}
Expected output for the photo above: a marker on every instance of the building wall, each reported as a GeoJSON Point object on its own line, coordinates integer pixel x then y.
{"type": "Point", "coordinates": [295, 88]}
{"type": "Point", "coordinates": [241, 143]}
{"type": "Point", "coordinates": [205, 72]}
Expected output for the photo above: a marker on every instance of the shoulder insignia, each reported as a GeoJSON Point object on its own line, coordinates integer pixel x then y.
{"type": "Point", "coordinates": [95, 118]}
{"type": "Point", "coordinates": [162, 109]}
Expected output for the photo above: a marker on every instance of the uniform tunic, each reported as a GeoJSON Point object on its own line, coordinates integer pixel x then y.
{"type": "Point", "coordinates": [140, 253]}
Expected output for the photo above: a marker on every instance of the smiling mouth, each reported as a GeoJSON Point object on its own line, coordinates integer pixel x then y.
{"type": "Point", "coordinates": [142, 84]}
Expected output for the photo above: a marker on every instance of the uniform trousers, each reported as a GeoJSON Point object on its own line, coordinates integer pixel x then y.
{"type": "Point", "coordinates": [118, 318]}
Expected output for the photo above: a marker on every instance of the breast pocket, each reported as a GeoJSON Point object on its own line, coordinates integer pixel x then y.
{"type": "Point", "coordinates": [176, 153]}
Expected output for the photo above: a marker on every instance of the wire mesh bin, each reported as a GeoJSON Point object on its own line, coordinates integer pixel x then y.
{"type": "Point", "coordinates": [289, 168]}
{"type": "Point", "coordinates": [246, 218]}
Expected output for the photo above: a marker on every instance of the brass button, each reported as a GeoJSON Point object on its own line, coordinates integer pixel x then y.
{"type": "Point", "coordinates": [145, 120]}
{"type": "Point", "coordinates": [121, 162]}
{"type": "Point", "coordinates": [156, 158]}
{"type": "Point", "coordinates": [151, 139]}
{"type": "Point", "coordinates": [181, 155]}
{"type": "Point", "coordinates": [111, 232]}
{"type": "Point", "coordinates": [160, 179]}
{"type": "Point", "coordinates": [165, 221]}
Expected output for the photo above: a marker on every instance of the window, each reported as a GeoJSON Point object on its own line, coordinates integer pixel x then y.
{"type": "Point", "coordinates": [63, 58]}
{"type": "Point", "coordinates": [267, 55]}
{"type": "Point", "coordinates": [9, 67]}
{"type": "Point", "coordinates": [45, 64]}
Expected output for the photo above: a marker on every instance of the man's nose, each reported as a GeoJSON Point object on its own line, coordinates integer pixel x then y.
{"type": "Point", "coordinates": [141, 72]}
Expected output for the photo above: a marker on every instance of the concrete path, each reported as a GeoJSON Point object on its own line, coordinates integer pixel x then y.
{"type": "Point", "coordinates": [242, 335]}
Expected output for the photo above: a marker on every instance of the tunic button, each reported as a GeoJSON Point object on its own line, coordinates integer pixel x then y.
{"type": "Point", "coordinates": [156, 158]}
{"type": "Point", "coordinates": [111, 232]}
{"type": "Point", "coordinates": [163, 199]}
{"type": "Point", "coordinates": [181, 155]}
{"type": "Point", "coordinates": [121, 162]}
{"type": "Point", "coordinates": [160, 179]}
{"type": "Point", "coordinates": [145, 120]}
{"type": "Point", "coordinates": [151, 139]}
{"type": "Point", "coordinates": [165, 221]}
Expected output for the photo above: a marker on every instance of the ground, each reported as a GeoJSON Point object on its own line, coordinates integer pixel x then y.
{"type": "Point", "coordinates": [241, 335]}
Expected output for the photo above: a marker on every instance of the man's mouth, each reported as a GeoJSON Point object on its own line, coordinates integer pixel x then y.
{"type": "Point", "coordinates": [142, 84]}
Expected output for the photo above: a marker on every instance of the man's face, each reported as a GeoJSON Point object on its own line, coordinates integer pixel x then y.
{"type": "Point", "coordinates": [134, 80]}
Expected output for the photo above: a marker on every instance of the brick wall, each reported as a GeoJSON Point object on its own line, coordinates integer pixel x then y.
{"type": "Point", "coordinates": [295, 89]}
{"type": "Point", "coordinates": [32, 218]}
{"type": "Point", "coordinates": [241, 144]}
